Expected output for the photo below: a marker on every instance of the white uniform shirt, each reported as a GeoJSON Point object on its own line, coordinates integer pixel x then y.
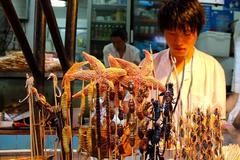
{"type": "Point", "coordinates": [131, 53]}
{"type": "Point", "coordinates": [203, 85]}
{"type": "Point", "coordinates": [236, 78]}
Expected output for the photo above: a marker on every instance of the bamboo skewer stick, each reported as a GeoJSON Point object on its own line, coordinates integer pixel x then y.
{"type": "Point", "coordinates": [29, 83]}
{"type": "Point", "coordinates": [41, 123]}
{"type": "Point", "coordinates": [107, 121]}
{"type": "Point", "coordinates": [132, 154]}
{"type": "Point", "coordinates": [115, 148]}
{"type": "Point", "coordinates": [155, 155]}
{"type": "Point", "coordinates": [98, 122]}
{"type": "Point", "coordinates": [31, 129]}
{"type": "Point", "coordinates": [144, 154]}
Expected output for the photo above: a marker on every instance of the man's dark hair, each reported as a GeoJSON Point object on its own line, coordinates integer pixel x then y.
{"type": "Point", "coordinates": [122, 33]}
{"type": "Point", "coordinates": [181, 14]}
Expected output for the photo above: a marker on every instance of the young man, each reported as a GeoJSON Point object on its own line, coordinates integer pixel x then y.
{"type": "Point", "coordinates": [198, 78]}
{"type": "Point", "coordinates": [120, 48]}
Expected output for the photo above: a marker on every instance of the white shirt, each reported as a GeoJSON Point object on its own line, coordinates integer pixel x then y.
{"type": "Point", "coordinates": [203, 85]}
{"type": "Point", "coordinates": [131, 53]}
{"type": "Point", "coordinates": [236, 78]}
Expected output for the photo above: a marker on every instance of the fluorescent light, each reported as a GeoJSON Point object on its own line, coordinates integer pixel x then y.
{"type": "Point", "coordinates": [58, 3]}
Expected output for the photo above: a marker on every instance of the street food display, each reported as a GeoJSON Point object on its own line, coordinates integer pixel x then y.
{"type": "Point", "coordinates": [124, 119]}
{"type": "Point", "coordinates": [16, 62]}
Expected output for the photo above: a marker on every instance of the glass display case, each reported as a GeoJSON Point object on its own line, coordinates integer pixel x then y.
{"type": "Point", "coordinates": [145, 26]}
{"type": "Point", "coordinates": [106, 15]}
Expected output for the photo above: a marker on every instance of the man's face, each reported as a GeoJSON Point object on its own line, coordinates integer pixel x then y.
{"type": "Point", "coordinates": [118, 43]}
{"type": "Point", "coordinates": [179, 42]}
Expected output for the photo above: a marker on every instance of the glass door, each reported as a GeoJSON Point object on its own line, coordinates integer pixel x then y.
{"type": "Point", "coordinates": [106, 15]}
{"type": "Point", "coordinates": [145, 26]}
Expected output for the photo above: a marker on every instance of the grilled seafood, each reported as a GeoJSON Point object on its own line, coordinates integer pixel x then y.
{"type": "Point", "coordinates": [99, 74]}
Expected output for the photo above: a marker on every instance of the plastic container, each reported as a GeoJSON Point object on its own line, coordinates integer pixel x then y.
{"type": "Point", "coordinates": [214, 43]}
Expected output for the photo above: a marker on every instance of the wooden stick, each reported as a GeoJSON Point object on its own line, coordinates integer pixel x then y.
{"type": "Point", "coordinates": [155, 156]}
{"type": "Point", "coordinates": [98, 128]}
{"type": "Point", "coordinates": [31, 129]}
{"type": "Point", "coordinates": [132, 154]}
{"type": "Point", "coordinates": [116, 131]}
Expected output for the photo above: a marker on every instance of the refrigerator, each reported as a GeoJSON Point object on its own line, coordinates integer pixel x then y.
{"type": "Point", "coordinates": [105, 16]}
{"type": "Point", "coordinates": [144, 26]}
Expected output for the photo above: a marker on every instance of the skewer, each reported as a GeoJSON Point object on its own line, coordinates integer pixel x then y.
{"type": "Point", "coordinates": [80, 106]}
{"type": "Point", "coordinates": [55, 150]}
{"type": "Point", "coordinates": [28, 83]}
{"type": "Point", "coordinates": [42, 131]}
{"type": "Point", "coordinates": [150, 49]}
{"type": "Point", "coordinates": [115, 148]}
{"type": "Point", "coordinates": [155, 155]}
{"type": "Point", "coordinates": [132, 154]}
{"type": "Point", "coordinates": [108, 123]}
{"type": "Point", "coordinates": [98, 122]}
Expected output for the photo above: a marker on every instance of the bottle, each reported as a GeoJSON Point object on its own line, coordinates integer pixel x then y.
{"type": "Point", "coordinates": [100, 32]}
{"type": "Point", "coordinates": [109, 31]}
{"type": "Point", "coordinates": [96, 36]}
{"type": "Point", "coordinates": [94, 15]}
{"type": "Point", "coordinates": [105, 31]}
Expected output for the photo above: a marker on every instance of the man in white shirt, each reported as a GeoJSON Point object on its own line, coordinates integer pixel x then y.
{"type": "Point", "coordinates": [198, 78]}
{"type": "Point", "coordinates": [120, 48]}
{"type": "Point", "coordinates": [203, 81]}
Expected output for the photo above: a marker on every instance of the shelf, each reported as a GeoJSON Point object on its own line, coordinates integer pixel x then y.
{"type": "Point", "coordinates": [143, 20]}
{"type": "Point", "coordinates": [154, 5]}
{"type": "Point", "coordinates": [109, 6]}
{"type": "Point", "coordinates": [109, 22]}
{"type": "Point", "coordinates": [142, 36]}
{"type": "Point", "coordinates": [101, 40]}
{"type": "Point", "coordinates": [106, 17]}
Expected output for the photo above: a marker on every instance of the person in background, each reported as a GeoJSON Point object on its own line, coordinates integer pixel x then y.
{"type": "Point", "coordinates": [120, 48]}
{"type": "Point", "coordinates": [196, 76]}
{"type": "Point", "coordinates": [233, 101]}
